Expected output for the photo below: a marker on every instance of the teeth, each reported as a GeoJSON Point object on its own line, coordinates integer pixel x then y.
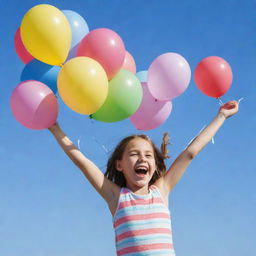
{"type": "Point", "coordinates": [142, 168]}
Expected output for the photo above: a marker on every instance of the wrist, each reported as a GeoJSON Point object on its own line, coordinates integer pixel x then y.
{"type": "Point", "coordinates": [222, 116]}
{"type": "Point", "coordinates": [54, 128]}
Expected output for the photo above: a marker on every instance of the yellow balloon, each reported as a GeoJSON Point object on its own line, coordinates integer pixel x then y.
{"type": "Point", "coordinates": [46, 34]}
{"type": "Point", "coordinates": [83, 85]}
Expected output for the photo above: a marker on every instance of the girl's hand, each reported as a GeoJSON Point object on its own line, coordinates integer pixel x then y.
{"type": "Point", "coordinates": [229, 109]}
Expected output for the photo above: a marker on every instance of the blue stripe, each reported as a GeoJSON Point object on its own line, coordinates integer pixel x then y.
{"type": "Point", "coordinates": [144, 240]}
{"type": "Point", "coordinates": [140, 209]}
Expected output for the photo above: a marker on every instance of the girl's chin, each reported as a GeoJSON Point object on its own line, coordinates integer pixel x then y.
{"type": "Point", "coordinates": [141, 183]}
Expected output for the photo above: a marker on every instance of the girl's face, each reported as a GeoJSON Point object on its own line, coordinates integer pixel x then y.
{"type": "Point", "coordinates": [137, 164]}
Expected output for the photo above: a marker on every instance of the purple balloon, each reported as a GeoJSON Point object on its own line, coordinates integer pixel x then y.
{"type": "Point", "coordinates": [151, 113]}
{"type": "Point", "coordinates": [168, 76]}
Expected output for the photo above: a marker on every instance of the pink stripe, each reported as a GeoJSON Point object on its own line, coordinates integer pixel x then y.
{"type": "Point", "coordinates": [140, 217]}
{"type": "Point", "coordinates": [142, 232]}
{"type": "Point", "coordinates": [141, 248]}
{"type": "Point", "coordinates": [139, 202]}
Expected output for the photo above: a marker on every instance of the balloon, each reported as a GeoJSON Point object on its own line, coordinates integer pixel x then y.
{"type": "Point", "coordinates": [24, 55]}
{"type": "Point", "coordinates": [106, 47]}
{"type": "Point", "coordinates": [129, 63]}
{"type": "Point", "coordinates": [213, 76]}
{"type": "Point", "coordinates": [168, 76]}
{"type": "Point", "coordinates": [83, 85]}
{"type": "Point", "coordinates": [151, 113]}
{"type": "Point", "coordinates": [34, 105]}
{"type": "Point", "coordinates": [124, 98]}
{"type": "Point", "coordinates": [46, 34]}
{"type": "Point", "coordinates": [37, 70]}
{"type": "Point", "coordinates": [79, 29]}
{"type": "Point", "coordinates": [142, 76]}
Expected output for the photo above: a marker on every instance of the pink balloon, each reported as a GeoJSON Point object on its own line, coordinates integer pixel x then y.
{"type": "Point", "coordinates": [129, 63]}
{"type": "Point", "coordinates": [34, 105]}
{"type": "Point", "coordinates": [151, 113]}
{"type": "Point", "coordinates": [168, 76]}
{"type": "Point", "coordinates": [24, 55]}
{"type": "Point", "coordinates": [106, 47]}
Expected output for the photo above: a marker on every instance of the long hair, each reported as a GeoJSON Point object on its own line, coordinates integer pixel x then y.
{"type": "Point", "coordinates": [118, 178]}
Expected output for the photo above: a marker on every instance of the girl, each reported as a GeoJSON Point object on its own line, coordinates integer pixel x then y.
{"type": "Point", "coordinates": [136, 185]}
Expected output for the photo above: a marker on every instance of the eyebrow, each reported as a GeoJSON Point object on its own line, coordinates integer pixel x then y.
{"type": "Point", "coordinates": [136, 150]}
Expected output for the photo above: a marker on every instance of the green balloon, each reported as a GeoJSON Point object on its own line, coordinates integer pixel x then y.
{"type": "Point", "coordinates": [124, 98]}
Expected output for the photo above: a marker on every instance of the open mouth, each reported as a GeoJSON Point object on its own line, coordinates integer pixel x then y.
{"type": "Point", "coordinates": [141, 170]}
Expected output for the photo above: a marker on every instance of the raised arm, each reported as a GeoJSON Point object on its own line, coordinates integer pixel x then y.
{"type": "Point", "coordinates": [106, 188]}
{"type": "Point", "coordinates": [181, 163]}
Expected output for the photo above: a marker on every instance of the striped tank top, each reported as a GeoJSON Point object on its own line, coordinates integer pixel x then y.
{"type": "Point", "coordinates": [142, 224]}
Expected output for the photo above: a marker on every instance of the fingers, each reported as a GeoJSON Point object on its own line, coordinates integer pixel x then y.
{"type": "Point", "coordinates": [233, 102]}
{"type": "Point", "coordinates": [230, 105]}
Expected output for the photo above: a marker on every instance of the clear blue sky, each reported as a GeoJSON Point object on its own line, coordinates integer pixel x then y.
{"type": "Point", "coordinates": [47, 207]}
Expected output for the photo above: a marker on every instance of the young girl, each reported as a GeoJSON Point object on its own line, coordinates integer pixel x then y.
{"type": "Point", "coordinates": [136, 186]}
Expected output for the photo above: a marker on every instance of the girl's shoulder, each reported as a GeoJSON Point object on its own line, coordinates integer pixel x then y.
{"type": "Point", "coordinates": [159, 184]}
{"type": "Point", "coordinates": [113, 200]}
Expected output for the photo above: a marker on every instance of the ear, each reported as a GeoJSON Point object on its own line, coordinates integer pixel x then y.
{"type": "Point", "coordinates": [119, 165]}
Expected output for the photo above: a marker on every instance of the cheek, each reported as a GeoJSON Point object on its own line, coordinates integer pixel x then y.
{"type": "Point", "coordinates": [131, 160]}
{"type": "Point", "coordinates": [155, 167]}
{"type": "Point", "coordinates": [153, 163]}
{"type": "Point", "coordinates": [129, 164]}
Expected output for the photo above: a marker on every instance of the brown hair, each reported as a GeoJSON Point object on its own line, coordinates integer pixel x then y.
{"type": "Point", "coordinates": [118, 178]}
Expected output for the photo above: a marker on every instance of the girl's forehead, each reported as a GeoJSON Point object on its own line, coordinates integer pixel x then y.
{"type": "Point", "coordinates": [139, 143]}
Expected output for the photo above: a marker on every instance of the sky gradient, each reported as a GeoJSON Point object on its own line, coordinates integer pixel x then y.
{"type": "Point", "coordinates": [48, 208]}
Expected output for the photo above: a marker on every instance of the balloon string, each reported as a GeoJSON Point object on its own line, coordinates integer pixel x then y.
{"type": "Point", "coordinates": [78, 144]}
{"type": "Point", "coordinates": [220, 101]}
{"type": "Point", "coordinates": [213, 142]}
{"type": "Point", "coordinates": [102, 146]}
{"type": "Point", "coordinates": [240, 100]}
{"type": "Point", "coordinates": [94, 138]}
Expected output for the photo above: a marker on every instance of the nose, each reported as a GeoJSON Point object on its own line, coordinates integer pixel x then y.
{"type": "Point", "coordinates": [142, 158]}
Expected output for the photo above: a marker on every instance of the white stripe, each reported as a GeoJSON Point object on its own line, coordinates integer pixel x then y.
{"type": "Point", "coordinates": [164, 252]}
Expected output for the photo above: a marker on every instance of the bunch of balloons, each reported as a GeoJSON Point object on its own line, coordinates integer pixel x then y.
{"type": "Point", "coordinates": [91, 70]}
{"type": "Point", "coordinates": [95, 75]}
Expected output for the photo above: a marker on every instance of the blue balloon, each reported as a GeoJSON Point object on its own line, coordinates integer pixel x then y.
{"type": "Point", "coordinates": [79, 29]}
{"type": "Point", "coordinates": [142, 76]}
{"type": "Point", "coordinates": [37, 70]}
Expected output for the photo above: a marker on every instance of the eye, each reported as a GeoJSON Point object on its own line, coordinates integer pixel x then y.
{"type": "Point", "coordinates": [148, 156]}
